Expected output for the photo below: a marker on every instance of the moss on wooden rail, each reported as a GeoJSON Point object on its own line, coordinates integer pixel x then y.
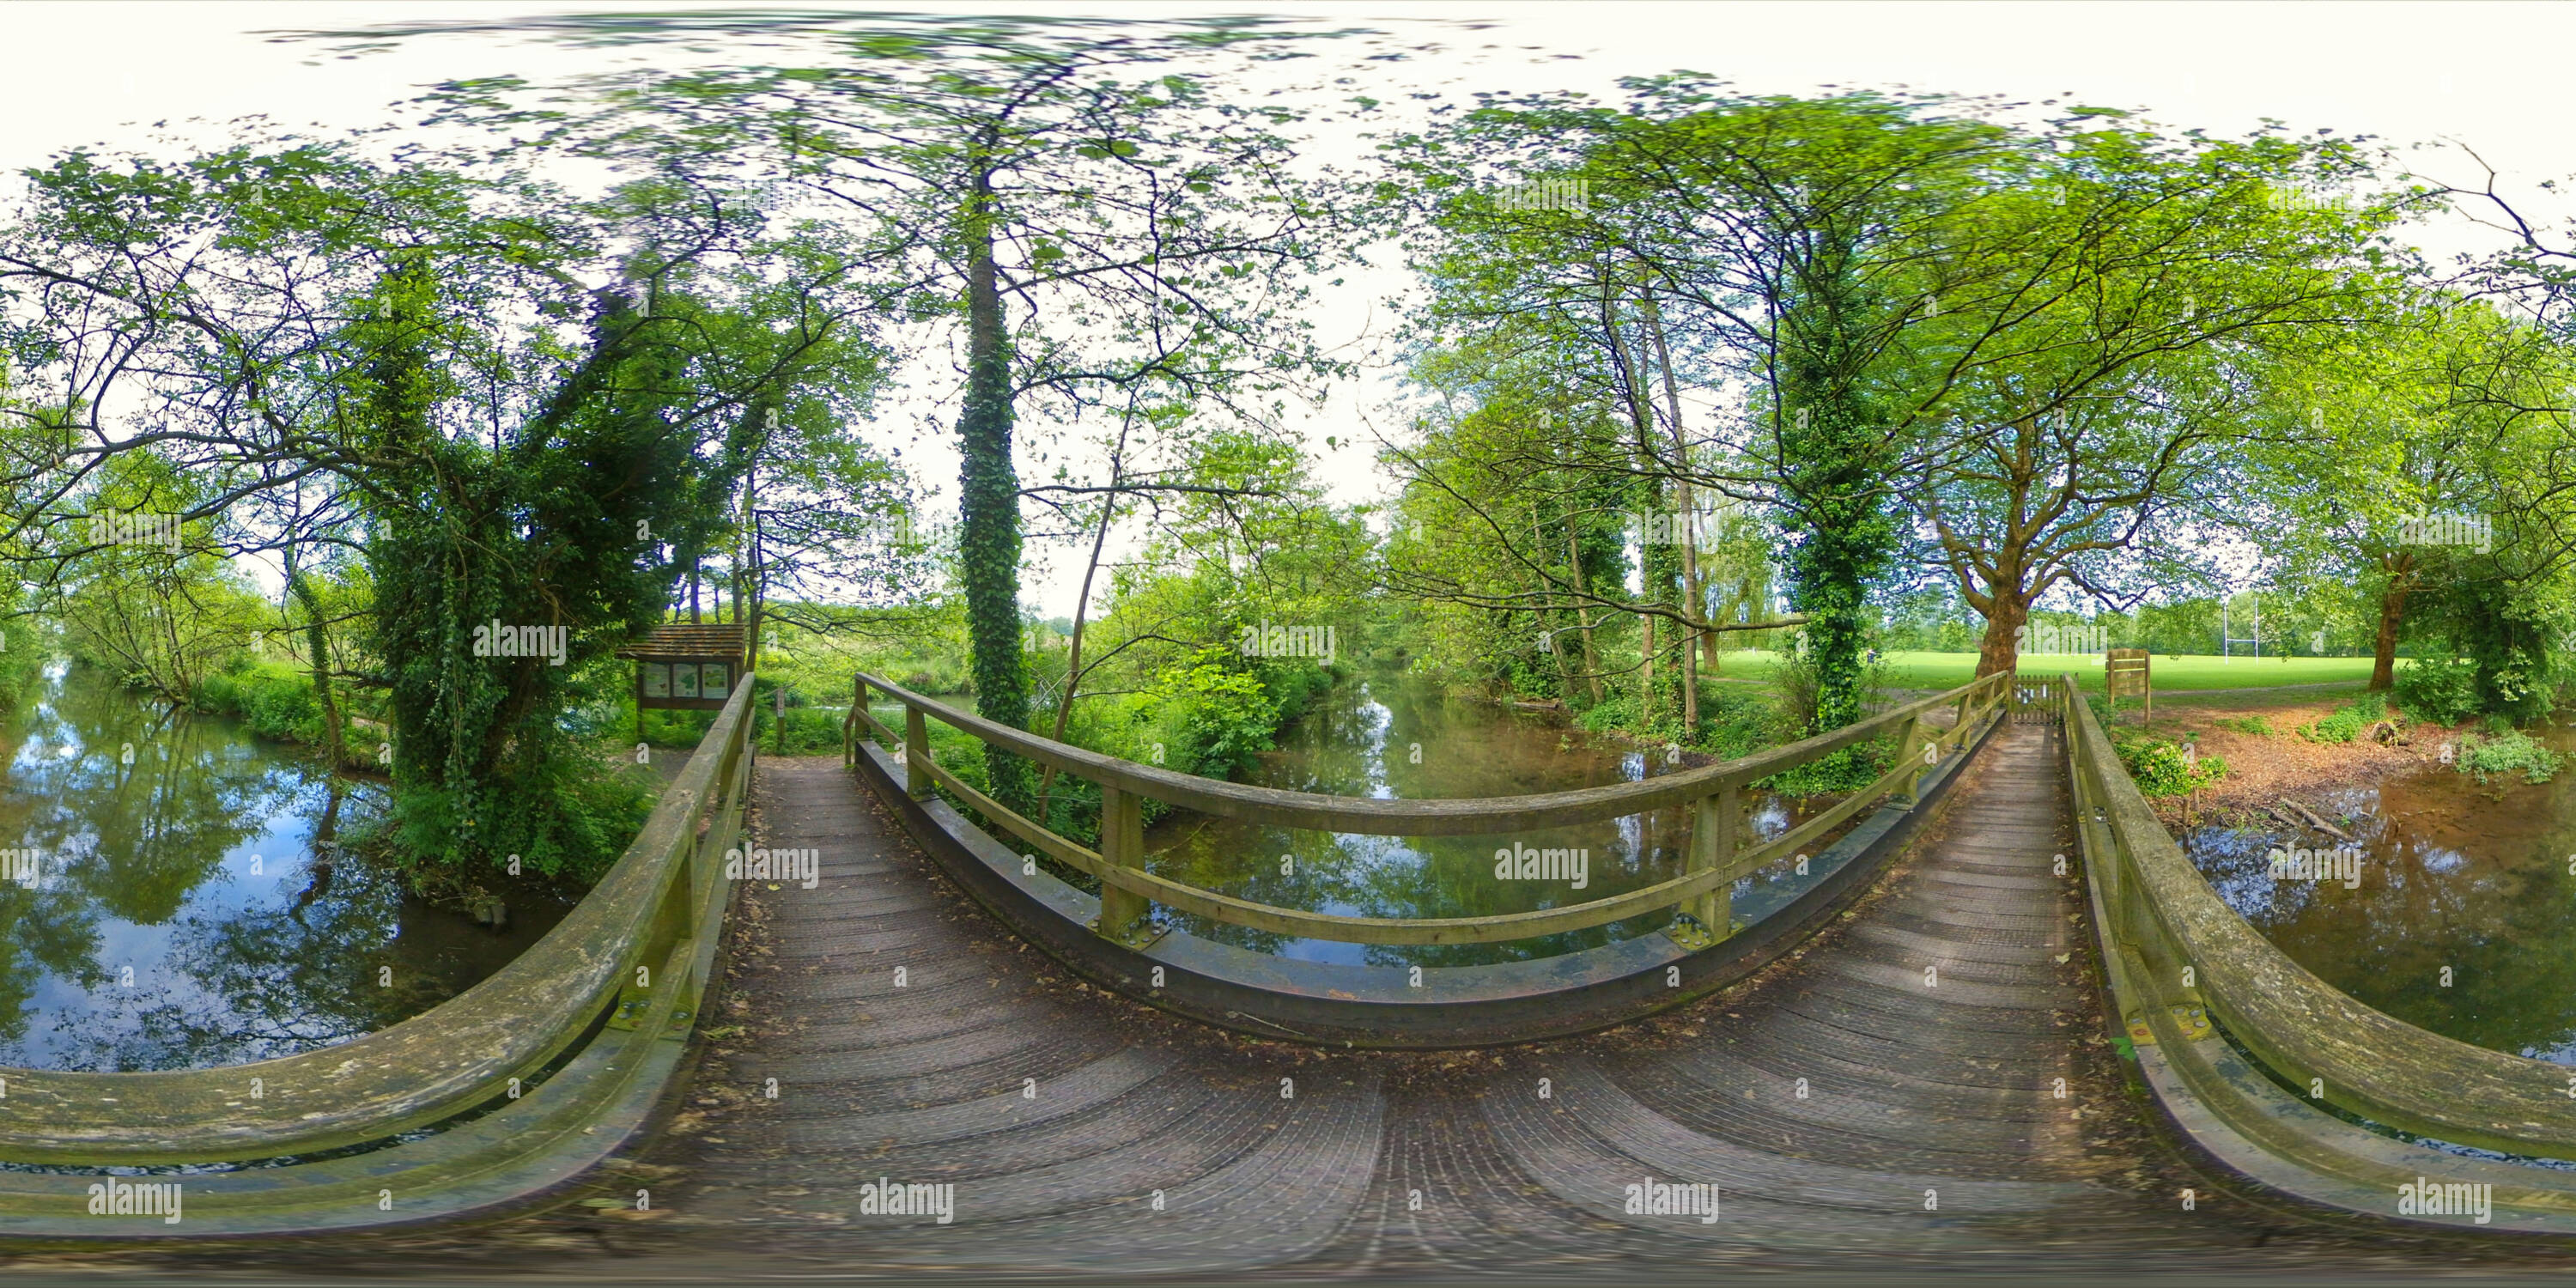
{"type": "Point", "coordinates": [458, 1055]}
{"type": "Point", "coordinates": [1370, 816]}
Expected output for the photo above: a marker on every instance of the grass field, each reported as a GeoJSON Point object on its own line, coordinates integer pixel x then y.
{"type": "Point", "coordinates": [2177, 675]}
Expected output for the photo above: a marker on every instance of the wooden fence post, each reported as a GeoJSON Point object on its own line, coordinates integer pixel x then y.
{"type": "Point", "coordinates": [1123, 913]}
{"type": "Point", "coordinates": [1713, 823]}
{"type": "Point", "coordinates": [916, 753]}
{"type": "Point", "coordinates": [1911, 748]}
{"type": "Point", "coordinates": [854, 728]}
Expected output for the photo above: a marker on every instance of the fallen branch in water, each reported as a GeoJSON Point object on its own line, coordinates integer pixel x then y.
{"type": "Point", "coordinates": [2320, 824]}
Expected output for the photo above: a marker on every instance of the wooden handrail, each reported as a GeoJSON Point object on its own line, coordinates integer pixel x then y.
{"type": "Point", "coordinates": [1464, 816]}
{"type": "Point", "coordinates": [1710, 873]}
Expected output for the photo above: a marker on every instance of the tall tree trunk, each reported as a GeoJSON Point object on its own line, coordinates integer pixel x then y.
{"type": "Point", "coordinates": [988, 506]}
{"type": "Point", "coordinates": [1081, 611]}
{"type": "Point", "coordinates": [1694, 594]}
{"type": "Point", "coordinates": [1583, 615]}
{"type": "Point", "coordinates": [1646, 685]}
{"type": "Point", "coordinates": [751, 575]}
{"type": "Point", "coordinates": [1655, 559]}
{"type": "Point", "coordinates": [2392, 613]}
{"type": "Point", "coordinates": [2007, 608]}
{"type": "Point", "coordinates": [317, 644]}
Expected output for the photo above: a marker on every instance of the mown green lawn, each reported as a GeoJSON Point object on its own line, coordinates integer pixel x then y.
{"type": "Point", "coordinates": [1949, 670]}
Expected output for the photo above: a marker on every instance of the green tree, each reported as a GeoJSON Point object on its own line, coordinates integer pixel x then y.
{"type": "Point", "coordinates": [511, 446]}
{"type": "Point", "coordinates": [1084, 200]}
{"type": "Point", "coordinates": [2441, 413]}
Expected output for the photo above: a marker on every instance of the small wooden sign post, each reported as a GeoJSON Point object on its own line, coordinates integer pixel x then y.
{"type": "Point", "coordinates": [2125, 672]}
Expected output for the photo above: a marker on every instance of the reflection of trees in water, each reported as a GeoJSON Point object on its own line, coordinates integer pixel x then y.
{"type": "Point", "coordinates": [257, 984]}
{"type": "Point", "coordinates": [1358, 741]}
{"type": "Point", "coordinates": [47, 932]}
{"type": "Point", "coordinates": [128, 842]}
{"type": "Point", "coordinates": [146, 844]}
{"type": "Point", "coordinates": [136, 839]}
{"type": "Point", "coordinates": [2501, 924]}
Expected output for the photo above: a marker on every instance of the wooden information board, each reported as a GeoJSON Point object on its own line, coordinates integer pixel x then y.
{"type": "Point", "coordinates": [686, 668]}
{"type": "Point", "coordinates": [2125, 674]}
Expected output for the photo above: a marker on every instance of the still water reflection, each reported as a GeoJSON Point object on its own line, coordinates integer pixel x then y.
{"type": "Point", "coordinates": [180, 900]}
{"type": "Point", "coordinates": [2475, 880]}
{"type": "Point", "coordinates": [1401, 738]}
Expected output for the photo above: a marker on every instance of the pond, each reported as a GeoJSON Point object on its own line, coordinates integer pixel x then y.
{"type": "Point", "coordinates": [172, 895]}
{"type": "Point", "coordinates": [1398, 737]}
{"type": "Point", "coordinates": [2459, 917]}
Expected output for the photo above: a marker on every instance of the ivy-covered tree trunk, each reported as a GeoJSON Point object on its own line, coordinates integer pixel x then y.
{"type": "Point", "coordinates": [988, 510]}
{"type": "Point", "coordinates": [1831, 459]}
{"type": "Point", "coordinates": [501, 572]}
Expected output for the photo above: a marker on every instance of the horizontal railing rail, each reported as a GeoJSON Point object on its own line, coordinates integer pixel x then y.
{"type": "Point", "coordinates": [631, 941]}
{"type": "Point", "coordinates": [2178, 956]}
{"type": "Point", "coordinates": [1714, 792]}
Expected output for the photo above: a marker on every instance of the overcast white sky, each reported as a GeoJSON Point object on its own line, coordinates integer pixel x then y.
{"type": "Point", "coordinates": [2478, 74]}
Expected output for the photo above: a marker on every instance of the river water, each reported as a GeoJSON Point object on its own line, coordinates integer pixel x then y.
{"type": "Point", "coordinates": [2463, 917]}
{"type": "Point", "coordinates": [164, 910]}
{"type": "Point", "coordinates": [1398, 737]}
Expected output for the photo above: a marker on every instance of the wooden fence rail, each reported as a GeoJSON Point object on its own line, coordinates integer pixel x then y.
{"type": "Point", "coordinates": [1715, 794]}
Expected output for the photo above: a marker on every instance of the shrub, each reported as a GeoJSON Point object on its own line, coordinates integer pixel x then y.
{"type": "Point", "coordinates": [1616, 711]}
{"type": "Point", "coordinates": [811, 731]}
{"type": "Point", "coordinates": [285, 712]}
{"type": "Point", "coordinates": [2259, 726]}
{"type": "Point", "coordinates": [1226, 716]}
{"type": "Point", "coordinates": [2159, 767]}
{"type": "Point", "coordinates": [2507, 753]}
{"type": "Point", "coordinates": [2442, 690]}
{"type": "Point", "coordinates": [1794, 686]}
{"type": "Point", "coordinates": [273, 700]}
{"type": "Point", "coordinates": [1847, 770]}
{"type": "Point", "coordinates": [2347, 722]}
{"type": "Point", "coordinates": [589, 818]}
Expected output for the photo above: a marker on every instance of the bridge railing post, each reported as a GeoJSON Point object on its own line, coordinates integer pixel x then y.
{"type": "Point", "coordinates": [1714, 820]}
{"type": "Point", "coordinates": [1124, 914]}
{"type": "Point", "coordinates": [856, 722]}
{"type": "Point", "coordinates": [1912, 745]}
{"type": "Point", "coordinates": [916, 754]}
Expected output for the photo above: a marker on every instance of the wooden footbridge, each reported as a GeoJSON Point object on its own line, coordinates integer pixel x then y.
{"type": "Point", "coordinates": [2002, 1025]}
